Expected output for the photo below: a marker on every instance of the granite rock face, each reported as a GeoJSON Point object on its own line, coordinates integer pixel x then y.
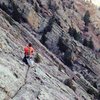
{"type": "Point", "coordinates": [43, 80]}
{"type": "Point", "coordinates": [59, 26]}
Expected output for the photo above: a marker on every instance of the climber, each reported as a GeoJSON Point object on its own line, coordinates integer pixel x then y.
{"type": "Point", "coordinates": [28, 53]}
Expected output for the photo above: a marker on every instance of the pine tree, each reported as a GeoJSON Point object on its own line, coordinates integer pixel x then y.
{"type": "Point", "coordinates": [85, 42]}
{"type": "Point", "coordinates": [91, 45]}
{"type": "Point", "coordinates": [86, 18]}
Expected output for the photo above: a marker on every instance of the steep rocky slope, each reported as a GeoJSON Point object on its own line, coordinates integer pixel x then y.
{"type": "Point", "coordinates": [53, 23]}
{"type": "Point", "coordinates": [43, 81]}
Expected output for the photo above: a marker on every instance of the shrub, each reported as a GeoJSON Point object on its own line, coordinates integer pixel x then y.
{"type": "Point", "coordinates": [85, 42]}
{"type": "Point", "coordinates": [43, 39]}
{"type": "Point", "coordinates": [88, 43]}
{"type": "Point", "coordinates": [90, 91]}
{"type": "Point", "coordinates": [37, 58]}
{"type": "Point", "coordinates": [75, 34]}
{"type": "Point", "coordinates": [68, 58]}
{"type": "Point", "coordinates": [69, 83]}
{"type": "Point", "coordinates": [10, 20]}
{"type": "Point", "coordinates": [62, 46]}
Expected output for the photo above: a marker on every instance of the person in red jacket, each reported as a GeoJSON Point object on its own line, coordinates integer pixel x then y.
{"type": "Point", "coordinates": [28, 53]}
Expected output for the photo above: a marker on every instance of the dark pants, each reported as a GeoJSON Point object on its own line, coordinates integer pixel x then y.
{"type": "Point", "coordinates": [25, 59]}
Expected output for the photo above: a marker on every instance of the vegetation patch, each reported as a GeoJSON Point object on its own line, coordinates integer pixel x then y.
{"type": "Point", "coordinates": [37, 58]}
